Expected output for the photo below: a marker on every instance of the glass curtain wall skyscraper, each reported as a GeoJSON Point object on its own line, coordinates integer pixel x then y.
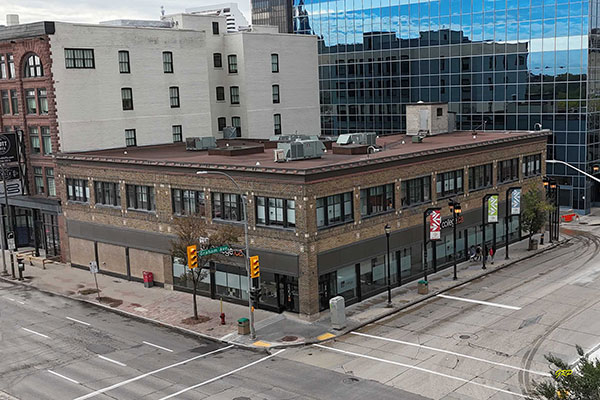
{"type": "Point", "coordinates": [502, 65]}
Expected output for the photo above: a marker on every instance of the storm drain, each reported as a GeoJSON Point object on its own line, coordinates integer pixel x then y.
{"type": "Point", "coordinates": [465, 336]}
{"type": "Point", "coordinates": [289, 338]}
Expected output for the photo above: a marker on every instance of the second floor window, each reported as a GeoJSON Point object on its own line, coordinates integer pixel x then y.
{"type": "Point", "coordinates": [140, 197]}
{"type": "Point", "coordinates": [416, 191]}
{"type": "Point", "coordinates": [167, 62]}
{"type": "Point", "coordinates": [30, 103]}
{"type": "Point", "coordinates": [449, 183]}
{"type": "Point", "coordinates": [334, 210]}
{"type": "Point", "coordinates": [130, 138]}
{"type": "Point", "coordinates": [274, 63]}
{"type": "Point", "coordinates": [376, 200]}
{"type": "Point", "coordinates": [273, 211]}
{"type": "Point", "coordinates": [127, 98]}
{"type": "Point", "coordinates": [217, 60]}
{"type": "Point", "coordinates": [221, 123]}
{"type": "Point", "coordinates": [124, 62]}
{"type": "Point", "coordinates": [107, 193]}
{"type": "Point", "coordinates": [277, 124]}
{"type": "Point", "coordinates": [232, 63]}
{"type": "Point", "coordinates": [275, 94]}
{"type": "Point", "coordinates": [78, 190]}
{"type": "Point", "coordinates": [177, 134]}
{"type": "Point", "coordinates": [234, 92]}
{"type": "Point", "coordinates": [174, 96]}
{"type": "Point", "coordinates": [188, 202]}
{"type": "Point", "coordinates": [236, 122]}
{"type": "Point", "coordinates": [220, 93]}
{"type": "Point", "coordinates": [79, 58]}
{"type": "Point", "coordinates": [508, 170]}
{"type": "Point", "coordinates": [532, 165]}
{"type": "Point", "coordinates": [227, 206]}
{"type": "Point", "coordinates": [480, 177]}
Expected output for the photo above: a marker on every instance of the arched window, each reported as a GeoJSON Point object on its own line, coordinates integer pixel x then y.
{"type": "Point", "coordinates": [33, 67]}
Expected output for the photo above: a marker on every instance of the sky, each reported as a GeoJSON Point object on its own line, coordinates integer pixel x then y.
{"type": "Point", "coordinates": [94, 11]}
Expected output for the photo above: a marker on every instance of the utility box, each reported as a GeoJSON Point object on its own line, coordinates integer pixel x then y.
{"type": "Point", "coordinates": [337, 311]}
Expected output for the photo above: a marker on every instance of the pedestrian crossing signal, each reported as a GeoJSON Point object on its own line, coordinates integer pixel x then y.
{"type": "Point", "coordinates": [254, 267]}
{"type": "Point", "coordinates": [192, 257]}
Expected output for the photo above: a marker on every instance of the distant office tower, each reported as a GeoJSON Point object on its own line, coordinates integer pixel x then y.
{"type": "Point", "coordinates": [500, 64]}
{"type": "Point", "coordinates": [273, 12]}
{"type": "Point", "coordinates": [235, 18]}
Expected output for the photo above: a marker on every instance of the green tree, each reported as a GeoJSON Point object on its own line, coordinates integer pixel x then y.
{"type": "Point", "coordinates": [190, 231]}
{"type": "Point", "coordinates": [582, 383]}
{"type": "Point", "coordinates": [535, 211]}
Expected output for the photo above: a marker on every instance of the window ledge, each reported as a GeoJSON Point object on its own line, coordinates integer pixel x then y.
{"type": "Point", "coordinates": [449, 196]}
{"type": "Point", "coordinates": [363, 217]}
{"type": "Point", "coordinates": [150, 212]}
{"type": "Point", "coordinates": [277, 227]}
{"type": "Point", "coordinates": [82, 203]}
{"type": "Point", "coordinates": [322, 228]}
{"type": "Point", "coordinates": [107, 206]}
{"type": "Point", "coordinates": [228, 221]}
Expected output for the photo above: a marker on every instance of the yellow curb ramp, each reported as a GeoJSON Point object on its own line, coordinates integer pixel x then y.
{"type": "Point", "coordinates": [325, 336]}
{"type": "Point", "coordinates": [260, 343]}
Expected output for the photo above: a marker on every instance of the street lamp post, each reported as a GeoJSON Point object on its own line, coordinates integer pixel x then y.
{"type": "Point", "coordinates": [508, 215]}
{"type": "Point", "coordinates": [388, 230]}
{"type": "Point", "coordinates": [247, 264]}
{"type": "Point", "coordinates": [555, 213]}
{"type": "Point", "coordinates": [455, 209]}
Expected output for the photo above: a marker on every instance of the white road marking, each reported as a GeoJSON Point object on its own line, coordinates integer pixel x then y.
{"type": "Point", "coordinates": [116, 385]}
{"type": "Point", "coordinates": [78, 321]}
{"type": "Point", "coordinates": [35, 333]}
{"type": "Point", "coordinates": [112, 361]}
{"type": "Point", "coordinates": [420, 369]}
{"type": "Point", "coordinates": [451, 352]}
{"type": "Point", "coordinates": [64, 377]}
{"type": "Point", "coordinates": [485, 303]}
{"type": "Point", "coordinates": [157, 346]}
{"type": "Point", "coordinates": [221, 376]}
{"type": "Point", "coordinates": [21, 302]}
{"type": "Point", "coordinates": [11, 299]}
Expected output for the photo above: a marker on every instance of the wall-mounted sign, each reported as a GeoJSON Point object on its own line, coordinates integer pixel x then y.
{"type": "Point", "coordinates": [448, 222]}
{"type": "Point", "coordinates": [515, 202]}
{"type": "Point", "coordinates": [435, 224]}
{"type": "Point", "coordinates": [13, 188]}
{"type": "Point", "coordinates": [8, 148]}
{"type": "Point", "coordinates": [493, 208]}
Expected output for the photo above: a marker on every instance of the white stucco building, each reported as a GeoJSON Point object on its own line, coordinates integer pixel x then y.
{"type": "Point", "coordinates": [130, 82]}
{"type": "Point", "coordinates": [235, 18]}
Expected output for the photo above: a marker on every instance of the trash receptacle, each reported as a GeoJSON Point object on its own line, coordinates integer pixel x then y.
{"type": "Point", "coordinates": [533, 244]}
{"type": "Point", "coordinates": [148, 279]}
{"type": "Point", "coordinates": [243, 326]}
{"type": "Point", "coordinates": [422, 287]}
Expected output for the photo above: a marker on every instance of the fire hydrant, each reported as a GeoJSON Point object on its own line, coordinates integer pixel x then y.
{"type": "Point", "coordinates": [222, 318]}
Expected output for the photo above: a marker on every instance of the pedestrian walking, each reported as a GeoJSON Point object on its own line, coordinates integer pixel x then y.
{"type": "Point", "coordinates": [492, 252]}
{"type": "Point", "coordinates": [478, 253]}
{"type": "Point", "coordinates": [472, 253]}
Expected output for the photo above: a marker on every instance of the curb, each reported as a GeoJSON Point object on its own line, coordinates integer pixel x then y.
{"type": "Point", "coordinates": [427, 297]}
{"type": "Point", "coordinates": [185, 331]}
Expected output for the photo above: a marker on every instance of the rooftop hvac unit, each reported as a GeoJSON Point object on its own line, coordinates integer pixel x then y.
{"type": "Point", "coordinates": [200, 143]}
{"type": "Point", "coordinates": [364, 138]}
{"type": "Point", "coordinates": [302, 149]}
{"type": "Point", "coordinates": [229, 132]}
{"type": "Point", "coordinates": [292, 138]}
{"type": "Point", "coordinates": [279, 155]}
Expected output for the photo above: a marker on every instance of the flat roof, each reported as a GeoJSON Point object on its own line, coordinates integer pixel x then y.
{"type": "Point", "coordinates": [393, 149]}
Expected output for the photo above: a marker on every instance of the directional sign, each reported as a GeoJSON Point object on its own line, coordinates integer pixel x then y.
{"type": "Point", "coordinates": [94, 267]}
{"type": "Point", "coordinates": [435, 224]}
{"type": "Point", "coordinates": [515, 202]}
{"type": "Point", "coordinates": [13, 188]}
{"type": "Point", "coordinates": [214, 250]}
{"type": "Point", "coordinates": [493, 208]}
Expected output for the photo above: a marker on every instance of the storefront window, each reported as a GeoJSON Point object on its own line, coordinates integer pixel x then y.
{"type": "Point", "coordinates": [268, 285]}
{"type": "Point", "coordinates": [372, 276]}
{"type": "Point", "coordinates": [231, 282]}
{"type": "Point", "coordinates": [182, 277]}
{"type": "Point", "coordinates": [346, 282]}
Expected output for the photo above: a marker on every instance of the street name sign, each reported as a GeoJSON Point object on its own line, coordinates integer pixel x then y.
{"type": "Point", "coordinates": [214, 250]}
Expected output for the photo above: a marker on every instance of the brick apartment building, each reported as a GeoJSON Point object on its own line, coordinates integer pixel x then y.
{"type": "Point", "coordinates": [317, 224]}
{"type": "Point", "coordinates": [69, 87]}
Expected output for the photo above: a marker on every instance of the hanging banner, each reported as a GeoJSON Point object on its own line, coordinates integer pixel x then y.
{"type": "Point", "coordinates": [515, 202]}
{"type": "Point", "coordinates": [493, 208]}
{"type": "Point", "coordinates": [435, 224]}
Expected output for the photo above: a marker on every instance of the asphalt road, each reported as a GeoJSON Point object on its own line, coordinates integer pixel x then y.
{"type": "Point", "coordinates": [56, 348]}
{"type": "Point", "coordinates": [486, 339]}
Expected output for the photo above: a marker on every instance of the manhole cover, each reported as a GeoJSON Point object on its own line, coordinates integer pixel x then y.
{"type": "Point", "coordinates": [465, 336]}
{"type": "Point", "coordinates": [289, 338]}
{"type": "Point", "coordinates": [350, 381]}
{"type": "Point", "coordinates": [241, 398]}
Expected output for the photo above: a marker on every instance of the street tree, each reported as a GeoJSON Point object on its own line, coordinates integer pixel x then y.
{"type": "Point", "coordinates": [581, 382]}
{"type": "Point", "coordinates": [191, 230]}
{"type": "Point", "coordinates": [535, 211]}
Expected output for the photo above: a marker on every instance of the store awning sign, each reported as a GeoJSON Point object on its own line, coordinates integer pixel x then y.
{"type": "Point", "coordinates": [435, 224]}
{"type": "Point", "coordinates": [493, 208]}
{"type": "Point", "coordinates": [515, 202]}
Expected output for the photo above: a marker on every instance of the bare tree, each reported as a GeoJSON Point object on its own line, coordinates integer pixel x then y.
{"type": "Point", "coordinates": [191, 230]}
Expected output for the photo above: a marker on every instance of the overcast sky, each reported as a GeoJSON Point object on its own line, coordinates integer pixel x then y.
{"type": "Point", "coordinates": [94, 11]}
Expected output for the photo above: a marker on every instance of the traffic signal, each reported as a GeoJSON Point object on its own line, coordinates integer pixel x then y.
{"type": "Point", "coordinates": [254, 267]}
{"type": "Point", "coordinates": [255, 295]}
{"type": "Point", "coordinates": [192, 257]}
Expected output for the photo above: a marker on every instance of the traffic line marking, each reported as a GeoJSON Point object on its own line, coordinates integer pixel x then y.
{"type": "Point", "coordinates": [451, 352]}
{"type": "Point", "coordinates": [419, 369]}
{"type": "Point", "coordinates": [21, 302]}
{"type": "Point", "coordinates": [216, 378]}
{"type": "Point", "coordinates": [157, 346]}
{"type": "Point", "coordinates": [78, 321]}
{"type": "Point", "coordinates": [325, 336]}
{"type": "Point", "coordinates": [485, 303]}
{"type": "Point", "coordinates": [112, 361]}
{"type": "Point", "coordinates": [11, 299]}
{"type": "Point", "coordinates": [36, 333]}
{"type": "Point", "coordinates": [64, 377]}
{"type": "Point", "coordinates": [137, 378]}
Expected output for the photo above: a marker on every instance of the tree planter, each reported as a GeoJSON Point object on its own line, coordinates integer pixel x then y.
{"type": "Point", "coordinates": [422, 287]}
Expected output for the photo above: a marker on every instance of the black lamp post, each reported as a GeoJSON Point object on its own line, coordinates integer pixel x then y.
{"type": "Point", "coordinates": [555, 213]}
{"type": "Point", "coordinates": [455, 209]}
{"type": "Point", "coordinates": [425, 214]}
{"type": "Point", "coordinates": [549, 198]}
{"type": "Point", "coordinates": [388, 230]}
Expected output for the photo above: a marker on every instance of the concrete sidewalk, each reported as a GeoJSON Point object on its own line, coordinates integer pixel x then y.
{"type": "Point", "coordinates": [171, 308]}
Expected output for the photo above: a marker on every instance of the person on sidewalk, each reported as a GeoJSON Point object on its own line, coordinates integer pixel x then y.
{"type": "Point", "coordinates": [472, 253]}
{"type": "Point", "coordinates": [478, 253]}
{"type": "Point", "coordinates": [492, 252]}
